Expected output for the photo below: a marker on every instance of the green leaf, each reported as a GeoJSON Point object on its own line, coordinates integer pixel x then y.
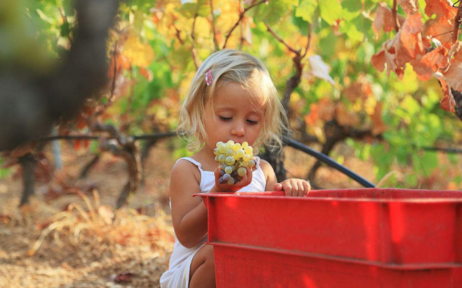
{"type": "Point", "coordinates": [425, 162]}
{"type": "Point", "coordinates": [4, 172]}
{"type": "Point", "coordinates": [452, 157]}
{"type": "Point", "coordinates": [411, 180]}
{"type": "Point", "coordinates": [330, 10]}
{"type": "Point", "coordinates": [351, 9]}
{"type": "Point", "coordinates": [189, 10]}
{"type": "Point", "coordinates": [410, 105]}
{"type": "Point", "coordinates": [272, 12]}
{"type": "Point", "coordinates": [350, 29]}
{"type": "Point", "coordinates": [306, 9]}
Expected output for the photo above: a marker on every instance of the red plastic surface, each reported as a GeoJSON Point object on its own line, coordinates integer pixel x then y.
{"type": "Point", "coordinates": [337, 238]}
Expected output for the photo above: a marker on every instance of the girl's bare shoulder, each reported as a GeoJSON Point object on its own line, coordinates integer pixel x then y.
{"type": "Point", "coordinates": [185, 169]}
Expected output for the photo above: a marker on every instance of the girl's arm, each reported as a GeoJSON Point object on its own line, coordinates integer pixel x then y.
{"type": "Point", "coordinates": [189, 214]}
{"type": "Point", "coordinates": [291, 187]}
{"type": "Point", "coordinates": [271, 179]}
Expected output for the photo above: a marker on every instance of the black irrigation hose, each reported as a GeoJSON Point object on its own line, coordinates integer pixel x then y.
{"type": "Point", "coordinates": [329, 161]}
{"type": "Point", "coordinates": [445, 150]}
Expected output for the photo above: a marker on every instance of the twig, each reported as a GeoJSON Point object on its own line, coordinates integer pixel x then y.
{"type": "Point", "coordinates": [457, 22]}
{"type": "Point", "coordinates": [177, 34]}
{"type": "Point", "coordinates": [282, 41]}
{"type": "Point", "coordinates": [213, 27]}
{"type": "Point", "coordinates": [309, 41]}
{"type": "Point", "coordinates": [395, 16]}
{"type": "Point", "coordinates": [114, 76]}
{"type": "Point", "coordinates": [241, 16]}
{"type": "Point", "coordinates": [130, 99]}
{"type": "Point", "coordinates": [193, 41]}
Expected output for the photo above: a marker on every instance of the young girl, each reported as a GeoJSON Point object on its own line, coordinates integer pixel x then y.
{"type": "Point", "coordinates": [231, 98]}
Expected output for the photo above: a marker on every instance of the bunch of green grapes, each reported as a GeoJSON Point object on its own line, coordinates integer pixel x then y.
{"type": "Point", "coordinates": [233, 158]}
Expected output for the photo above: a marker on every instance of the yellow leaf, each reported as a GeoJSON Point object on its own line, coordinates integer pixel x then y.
{"type": "Point", "coordinates": [137, 53]}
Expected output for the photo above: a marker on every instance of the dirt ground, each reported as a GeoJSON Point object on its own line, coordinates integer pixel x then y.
{"type": "Point", "coordinates": [79, 240]}
{"type": "Point", "coordinates": [130, 251]}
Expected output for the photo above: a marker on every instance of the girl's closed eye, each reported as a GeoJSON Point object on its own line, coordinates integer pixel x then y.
{"type": "Point", "coordinates": [225, 118]}
{"type": "Point", "coordinates": [252, 122]}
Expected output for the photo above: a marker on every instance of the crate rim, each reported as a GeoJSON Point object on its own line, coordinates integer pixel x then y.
{"type": "Point", "coordinates": [279, 195]}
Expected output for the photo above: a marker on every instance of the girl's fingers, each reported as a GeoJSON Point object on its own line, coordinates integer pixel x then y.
{"type": "Point", "coordinates": [301, 189]}
{"type": "Point", "coordinates": [307, 187]}
{"type": "Point", "coordinates": [277, 187]}
{"type": "Point", "coordinates": [287, 188]}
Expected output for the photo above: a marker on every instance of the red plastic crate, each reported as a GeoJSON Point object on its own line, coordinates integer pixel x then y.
{"type": "Point", "coordinates": [337, 238]}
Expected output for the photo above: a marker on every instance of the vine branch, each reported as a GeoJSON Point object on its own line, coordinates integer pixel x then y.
{"type": "Point", "coordinates": [215, 41]}
{"type": "Point", "coordinates": [395, 16]}
{"type": "Point", "coordinates": [193, 41]}
{"type": "Point", "coordinates": [241, 16]}
{"type": "Point", "coordinates": [282, 40]}
{"type": "Point", "coordinates": [457, 22]}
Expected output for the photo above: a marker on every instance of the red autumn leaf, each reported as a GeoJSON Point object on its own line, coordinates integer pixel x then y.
{"type": "Point", "coordinates": [77, 144]}
{"type": "Point", "coordinates": [86, 144]}
{"type": "Point", "coordinates": [411, 38]}
{"type": "Point", "coordinates": [438, 29]}
{"type": "Point", "coordinates": [378, 126]}
{"type": "Point", "coordinates": [453, 75]}
{"type": "Point", "coordinates": [423, 71]}
{"type": "Point", "coordinates": [443, 10]}
{"type": "Point", "coordinates": [361, 89]}
{"type": "Point", "coordinates": [383, 19]}
{"type": "Point", "coordinates": [455, 52]}
{"type": "Point", "coordinates": [436, 59]}
{"type": "Point", "coordinates": [326, 110]}
{"type": "Point", "coordinates": [312, 117]}
{"type": "Point", "coordinates": [409, 6]}
{"type": "Point", "coordinates": [344, 117]}
{"type": "Point", "coordinates": [386, 55]}
{"type": "Point", "coordinates": [447, 102]}
{"type": "Point", "coordinates": [146, 73]}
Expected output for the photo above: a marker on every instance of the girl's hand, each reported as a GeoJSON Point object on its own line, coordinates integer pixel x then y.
{"type": "Point", "coordinates": [231, 188]}
{"type": "Point", "coordinates": [294, 187]}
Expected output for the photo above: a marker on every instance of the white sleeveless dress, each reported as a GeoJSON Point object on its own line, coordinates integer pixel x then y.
{"type": "Point", "coordinates": [177, 276]}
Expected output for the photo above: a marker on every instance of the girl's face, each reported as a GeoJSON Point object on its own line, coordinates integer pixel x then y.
{"type": "Point", "coordinates": [235, 115]}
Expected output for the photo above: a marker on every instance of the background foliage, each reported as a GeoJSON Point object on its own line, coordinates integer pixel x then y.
{"type": "Point", "coordinates": [156, 47]}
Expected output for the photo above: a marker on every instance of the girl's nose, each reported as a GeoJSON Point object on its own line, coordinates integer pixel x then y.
{"type": "Point", "coordinates": [238, 130]}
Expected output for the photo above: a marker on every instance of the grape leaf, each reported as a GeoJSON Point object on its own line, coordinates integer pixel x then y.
{"type": "Point", "coordinates": [306, 9]}
{"type": "Point", "coordinates": [351, 9]}
{"type": "Point", "coordinates": [330, 11]}
{"type": "Point", "coordinates": [272, 12]}
{"type": "Point", "coordinates": [443, 10]}
{"type": "Point", "coordinates": [409, 6]}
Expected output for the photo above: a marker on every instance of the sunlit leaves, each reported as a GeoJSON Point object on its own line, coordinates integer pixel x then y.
{"type": "Point", "coordinates": [409, 6]}
{"type": "Point", "coordinates": [441, 8]}
{"type": "Point", "coordinates": [139, 54]}
{"type": "Point", "coordinates": [306, 9]}
{"type": "Point", "coordinates": [330, 11]}
{"type": "Point", "coordinates": [272, 12]}
{"type": "Point", "coordinates": [191, 10]}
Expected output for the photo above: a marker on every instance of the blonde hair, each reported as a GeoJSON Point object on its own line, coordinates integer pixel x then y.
{"type": "Point", "coordinates": [236, 67]}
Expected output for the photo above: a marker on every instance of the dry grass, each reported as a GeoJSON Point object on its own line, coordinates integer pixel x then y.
{"type": "Point", "coordinates": [79, 240]}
